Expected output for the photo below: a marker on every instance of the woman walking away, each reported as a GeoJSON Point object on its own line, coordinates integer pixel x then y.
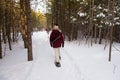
{"type": "Point", "coordinates": [56, 41]}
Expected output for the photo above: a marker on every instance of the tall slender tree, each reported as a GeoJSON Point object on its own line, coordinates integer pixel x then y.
{"type": "Point", "coordinates": [111, 28]}
{"type": "Point", "coordinates": [30, 56]}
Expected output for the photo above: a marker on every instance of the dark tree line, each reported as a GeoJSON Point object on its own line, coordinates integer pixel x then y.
{"type": "Point", "coordinates": [92, 18]}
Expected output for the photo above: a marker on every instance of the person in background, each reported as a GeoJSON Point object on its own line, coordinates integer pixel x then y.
{"type": "Point", "coordinates": [46, 29]}
{"type": "Point", "coordinates": [56, 41]}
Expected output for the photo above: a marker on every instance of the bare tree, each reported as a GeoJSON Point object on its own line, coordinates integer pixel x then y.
{"type": "Point", "coordinates": [30, 56]}
{"type": "Point", "coordinates": [111, 28]}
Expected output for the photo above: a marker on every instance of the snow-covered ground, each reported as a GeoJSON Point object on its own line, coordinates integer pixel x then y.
{"type": "Point", "coordinates": [79, 62]}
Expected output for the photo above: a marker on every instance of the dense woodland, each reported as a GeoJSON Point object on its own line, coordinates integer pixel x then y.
{"type": "Point", "coordinates": [15, 18]}
{"type": "Point", "coordinates": [89, 20]}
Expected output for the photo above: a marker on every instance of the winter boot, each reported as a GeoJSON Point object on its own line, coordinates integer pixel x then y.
{"type": "Point", "coordinates": [60, 57]}
{"type": "Point", "coordinates": [57, 64]}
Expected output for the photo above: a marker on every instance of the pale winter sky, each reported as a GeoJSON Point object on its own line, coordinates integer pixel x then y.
{"type": "Point", "coordinates": [39, 5]}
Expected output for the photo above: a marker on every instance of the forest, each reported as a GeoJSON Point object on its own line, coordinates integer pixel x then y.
{"type": "Point", "coordinates": [93, 21]}
{"type": "Point", "coordinates": [90, 18]}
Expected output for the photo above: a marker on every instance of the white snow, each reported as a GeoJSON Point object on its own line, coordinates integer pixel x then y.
{"type": "Point", "coordinates": [117, 18]}
{"type": "Point", "coordinates": [101, 15]}
{"type": "Point", "coordinates": [82, 14]}
{"type": "Point", "coordinates": [79, 62]}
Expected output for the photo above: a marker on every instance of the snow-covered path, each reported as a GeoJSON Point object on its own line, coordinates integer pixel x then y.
{"type": "Point", "coordinates": [78, 62]}
{"type": "Point", "coordinates": [43, 66]}
{"type": "Point", "coordinates": [14, 66]}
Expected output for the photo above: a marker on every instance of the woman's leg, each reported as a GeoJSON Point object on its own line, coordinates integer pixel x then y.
{"type": "Point", "coordinates": [57, 54]}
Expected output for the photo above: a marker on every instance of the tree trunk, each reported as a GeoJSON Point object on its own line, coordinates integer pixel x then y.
{"type": "Point", "coordinates": [3, 32]}
{"type": "Point", "coordinates": [0, 44]}
{"type": "Point", "coordinates": [111, 29]}
{"type": "Point", "coordinates": [23, 22]}
{"type": "Point", "coordinates": [100, 36]}
{"type": "Point", "coordinates": [90, 31]}
{"type": "Point", "coordinates": [13, 34]}
{"type": "Point", "coordinates": [30, 56]}
{"type": "Point", "coordinates": [8, 24]}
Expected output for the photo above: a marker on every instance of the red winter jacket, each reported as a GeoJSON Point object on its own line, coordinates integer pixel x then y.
{"type": "Point", "coordinates": [56, 39]}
